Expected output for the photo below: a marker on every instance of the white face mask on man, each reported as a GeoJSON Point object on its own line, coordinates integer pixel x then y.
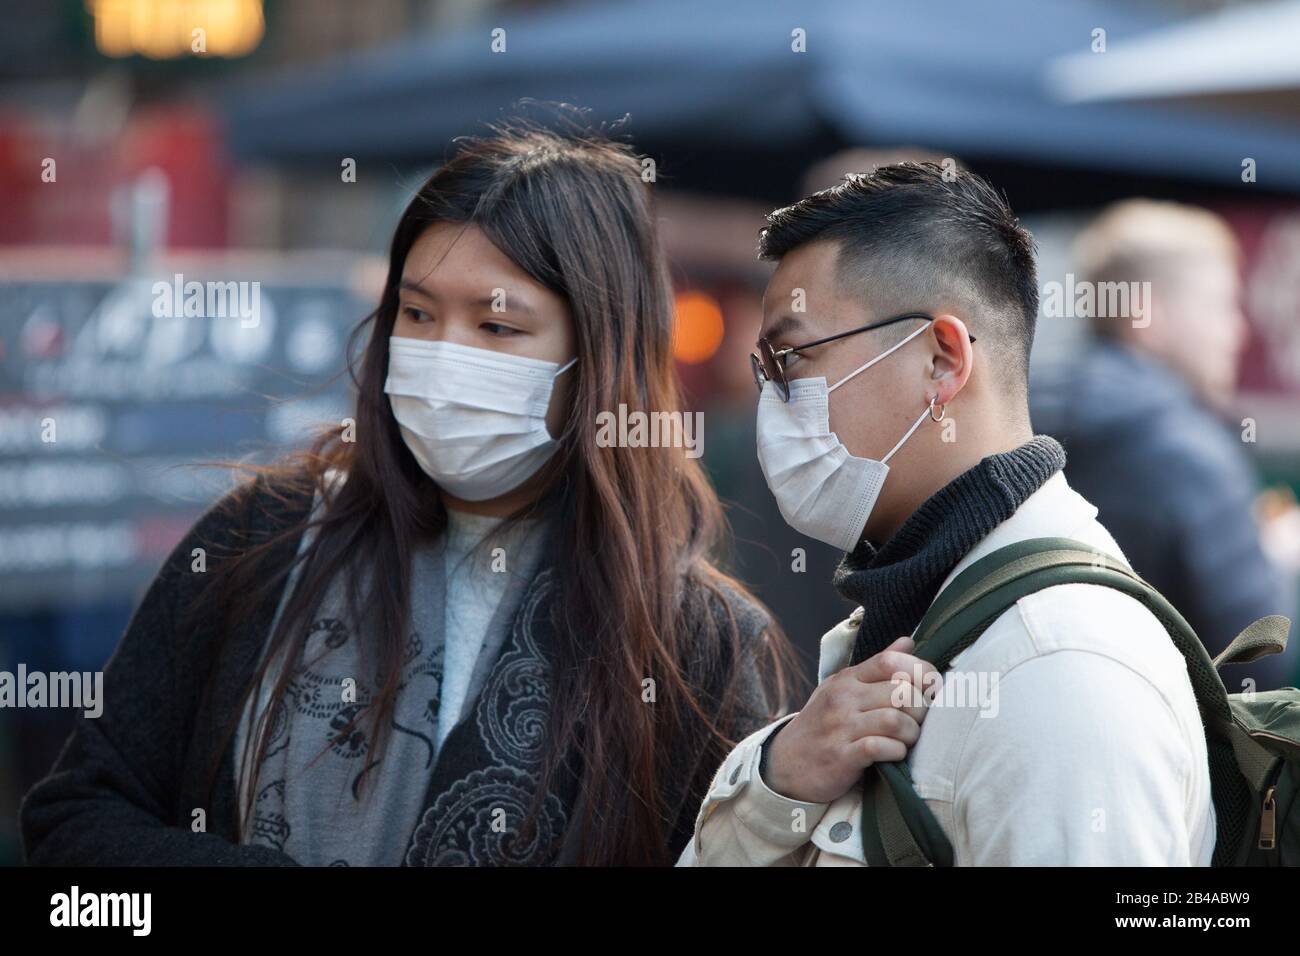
{"type": "Point", "coordinates": [821, 489]}
{"type": "Point", "coordinates": [474, 419]}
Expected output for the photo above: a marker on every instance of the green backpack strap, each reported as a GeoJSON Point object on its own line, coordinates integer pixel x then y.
{"type": "Point", "coordinates": [1266, 636]}
{"type": "Point", "coordinates": [898, 829]}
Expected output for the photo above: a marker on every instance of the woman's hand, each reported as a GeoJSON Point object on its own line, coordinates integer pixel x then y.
{"type": "Point", "coordinates": [853, 719]}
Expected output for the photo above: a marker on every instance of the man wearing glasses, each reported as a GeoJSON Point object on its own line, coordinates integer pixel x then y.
{"type": "Point", "coordinates": [893, 423]}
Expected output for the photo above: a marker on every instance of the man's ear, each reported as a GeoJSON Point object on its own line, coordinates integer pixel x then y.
{"type": "Point", "coordinates": [952, 357]}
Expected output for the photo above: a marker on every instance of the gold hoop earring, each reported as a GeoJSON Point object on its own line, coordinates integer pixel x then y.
{"type": "Point", "coordinates": [942, 411]}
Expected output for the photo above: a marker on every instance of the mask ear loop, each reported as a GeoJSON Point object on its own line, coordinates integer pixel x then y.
{"type": "Point", "coordinates": [885, 354]}
{"type": "Point", "coordinates": [572, 362]}
{"type": "Point", "coordinates": [915, 425]}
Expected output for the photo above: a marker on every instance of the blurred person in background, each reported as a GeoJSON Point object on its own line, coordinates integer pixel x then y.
{"type": "Point", "coordinates": [457, 611]}
{"type": "Point", "coordinates": [1141, 415]}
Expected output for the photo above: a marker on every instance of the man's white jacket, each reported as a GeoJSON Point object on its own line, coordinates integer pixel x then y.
{"type": "Point", "coordinates": [1068, 734]}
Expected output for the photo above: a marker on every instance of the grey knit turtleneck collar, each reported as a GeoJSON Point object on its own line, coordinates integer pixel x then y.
{"type": "Point", "coordinates": [897, 581]}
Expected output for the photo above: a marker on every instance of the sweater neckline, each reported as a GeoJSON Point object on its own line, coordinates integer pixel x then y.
{"type": "Point", "coordinates": [896, 582]}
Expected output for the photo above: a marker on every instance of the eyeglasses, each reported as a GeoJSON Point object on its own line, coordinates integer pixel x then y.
{"type": "Point", "coordinates": [768, 363]}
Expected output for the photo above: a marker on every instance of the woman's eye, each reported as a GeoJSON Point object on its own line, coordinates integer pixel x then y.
{"type": "Point", "coordinates": [414, 314]}
{"type": "Point", "coordinates": [496, 328]}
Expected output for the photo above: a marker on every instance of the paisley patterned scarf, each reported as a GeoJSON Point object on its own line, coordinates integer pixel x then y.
{"type": "Point", "coordinates": [325, 799]}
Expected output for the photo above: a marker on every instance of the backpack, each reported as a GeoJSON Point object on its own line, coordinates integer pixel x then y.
{"type": "Point", "coordinates": [1252, 740]}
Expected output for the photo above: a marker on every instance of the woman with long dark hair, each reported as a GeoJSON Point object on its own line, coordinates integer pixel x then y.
{"type": "Point", "coordinates": [462, 628]}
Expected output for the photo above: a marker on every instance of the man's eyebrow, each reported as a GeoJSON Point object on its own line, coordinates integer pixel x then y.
{"type": "Point", "coordinates": [783, 326]}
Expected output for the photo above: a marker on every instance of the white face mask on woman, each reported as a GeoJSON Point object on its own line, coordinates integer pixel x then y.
{"type": "Point", "coordinates": [822, 490]}
{"type": "Point", "coordinates": [474, 419]}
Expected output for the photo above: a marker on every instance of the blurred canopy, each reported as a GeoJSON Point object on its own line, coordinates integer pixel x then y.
{"type": "Point", "coordinates": [967, 77]}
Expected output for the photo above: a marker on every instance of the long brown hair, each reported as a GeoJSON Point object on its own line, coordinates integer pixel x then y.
{"type": "Point", "coordinates": [636, 594]}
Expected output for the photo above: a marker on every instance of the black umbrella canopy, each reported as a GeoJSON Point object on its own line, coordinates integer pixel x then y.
{"type": "Point", "coordinates": [703, 72]}
{"type": "Point", "coordinates": [724, 79]}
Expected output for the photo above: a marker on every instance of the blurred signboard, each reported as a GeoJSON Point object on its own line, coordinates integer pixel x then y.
{"type": "Point", "coordinates": [116, 399]}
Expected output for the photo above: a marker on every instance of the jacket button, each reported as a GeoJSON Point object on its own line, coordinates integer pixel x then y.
{"type": "Point", "coordinates": [735, 774]}
{"type": "Point", "coordinates": [841, 832]}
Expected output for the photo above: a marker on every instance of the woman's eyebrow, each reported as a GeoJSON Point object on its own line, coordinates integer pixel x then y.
{"type": "Point", "coordinates": [413, 286]}
{"type": "Point", "coordinates": [515, 303]}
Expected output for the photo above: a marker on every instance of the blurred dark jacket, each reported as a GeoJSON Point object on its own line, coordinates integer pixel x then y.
{"type": "Point", "coordinates": [1174, 485]}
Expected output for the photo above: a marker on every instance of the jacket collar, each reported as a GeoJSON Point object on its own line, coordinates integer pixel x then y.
{"type": "Point", "coordinates": [1054, 510]}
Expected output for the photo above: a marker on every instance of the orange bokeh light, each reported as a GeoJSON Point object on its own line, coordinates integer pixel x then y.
{"type": "Point", "coordinates": [697, 327]}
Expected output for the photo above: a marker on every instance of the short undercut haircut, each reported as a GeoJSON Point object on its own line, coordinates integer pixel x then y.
{"type": "Point", "coordinates": [918, 237]}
